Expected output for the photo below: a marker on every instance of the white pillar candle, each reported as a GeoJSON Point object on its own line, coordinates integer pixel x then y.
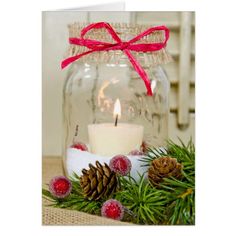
{"type": "Point", "coordinates": [109, 140]}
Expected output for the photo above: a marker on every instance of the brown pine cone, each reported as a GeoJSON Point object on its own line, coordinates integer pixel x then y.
{"type": "Point", "coordinates": [164, 167]}
{"type": "Point", "coordinates": [98, 182]}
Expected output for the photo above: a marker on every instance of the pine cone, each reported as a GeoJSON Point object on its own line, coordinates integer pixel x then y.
{"type": "Point", "coordinates": [98, 182]}
{"type": "Point", "coordinates": [164, 167]}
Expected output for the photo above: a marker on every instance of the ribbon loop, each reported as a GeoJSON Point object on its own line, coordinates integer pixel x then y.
{"type": "Point", "coordinates": [126, 47]}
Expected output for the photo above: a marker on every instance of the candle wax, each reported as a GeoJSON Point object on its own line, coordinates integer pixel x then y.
{"type": "Point", "coordinates": [109, 140]}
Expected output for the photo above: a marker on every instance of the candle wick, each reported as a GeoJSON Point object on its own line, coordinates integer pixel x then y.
{"type": "Point", "coordinates": [116, 121]}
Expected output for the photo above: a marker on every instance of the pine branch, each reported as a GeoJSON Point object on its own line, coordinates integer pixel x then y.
{"type": "Point", "coordinates": [146, 203]}
{"type": "Point", "coordinates": [184, 154]}
{"type": "Point", "coordinates": [172, 203]}
{"type": "Point", "coordinates": [152, 154]}
{"type": "Point", "coordinates": [75, 201]}
{"type": "Point", "coordinates": [181, 206]}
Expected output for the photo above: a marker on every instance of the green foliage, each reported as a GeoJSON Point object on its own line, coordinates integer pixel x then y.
{"type": "Point", "coordinates": [171, 204]}
{"type": "Point", "coordinates": [75, 201]}
{"type": "Point", "coordinates": [147, 203]}
{"type": "Point", "coordinates": [181, 207]}
{"type": "Point", "coordinates": [184, 154]}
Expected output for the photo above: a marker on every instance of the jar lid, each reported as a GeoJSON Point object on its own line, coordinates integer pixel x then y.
{"type": "Point", "coordinates": [125, 32]}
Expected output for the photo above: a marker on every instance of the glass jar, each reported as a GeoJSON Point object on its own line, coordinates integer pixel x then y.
{"type": "Point", "coordinates": [92, 87]}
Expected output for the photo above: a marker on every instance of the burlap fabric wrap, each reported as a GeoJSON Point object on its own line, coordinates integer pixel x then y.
{"type": "Point", "coordinates": [126, 32]}
{"type": "Point", "coordinates": [52, 166]}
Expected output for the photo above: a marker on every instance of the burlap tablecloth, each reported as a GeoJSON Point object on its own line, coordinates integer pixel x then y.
{"type": "Point", "coordinates": [52, 166]}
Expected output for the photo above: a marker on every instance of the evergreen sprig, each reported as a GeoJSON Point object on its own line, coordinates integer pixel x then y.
{"type": "Point", "coordinates": [75, 201]}
{"type": "Point", "coordinates": [184, 154]}
{"type": "Point", "coordinates": [173, 203]}
{"type": "Point", "coordinates": [181, 207]}
{"type": "Point", "coordinates": [147, 203]}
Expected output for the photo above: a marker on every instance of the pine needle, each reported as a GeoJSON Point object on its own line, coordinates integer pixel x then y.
{"type": "Point", "coordinates": [173, 203]}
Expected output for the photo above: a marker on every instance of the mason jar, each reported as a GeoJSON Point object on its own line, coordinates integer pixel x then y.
{"type": "Point", "coordinates": [106, 109]}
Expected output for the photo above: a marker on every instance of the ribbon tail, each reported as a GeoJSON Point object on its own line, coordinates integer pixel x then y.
{"type": "Point", "coordinates": [69, 60]}
{"type": "Point", "coordinates": [140, 71]}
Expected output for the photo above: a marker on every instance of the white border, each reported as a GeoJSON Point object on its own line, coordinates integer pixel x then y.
{"type": "Point", "coordinates": [21, 118]}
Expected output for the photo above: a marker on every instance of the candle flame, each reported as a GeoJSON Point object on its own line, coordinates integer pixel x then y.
{"type": "Point", "coordinates": [117, 109]}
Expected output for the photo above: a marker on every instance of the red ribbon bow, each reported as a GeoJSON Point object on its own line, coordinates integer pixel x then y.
{"type": "Point", "coordinates": [126, 47]}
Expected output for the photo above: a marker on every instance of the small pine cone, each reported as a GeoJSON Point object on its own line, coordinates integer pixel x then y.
{"type": "Point", "coordinates": [98, 182]}
{"type": "Point", "coordinates": [164, 167]}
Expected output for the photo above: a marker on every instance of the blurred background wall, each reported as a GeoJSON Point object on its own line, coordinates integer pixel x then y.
{"type": "Point", "coordinates": [181, 72]}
